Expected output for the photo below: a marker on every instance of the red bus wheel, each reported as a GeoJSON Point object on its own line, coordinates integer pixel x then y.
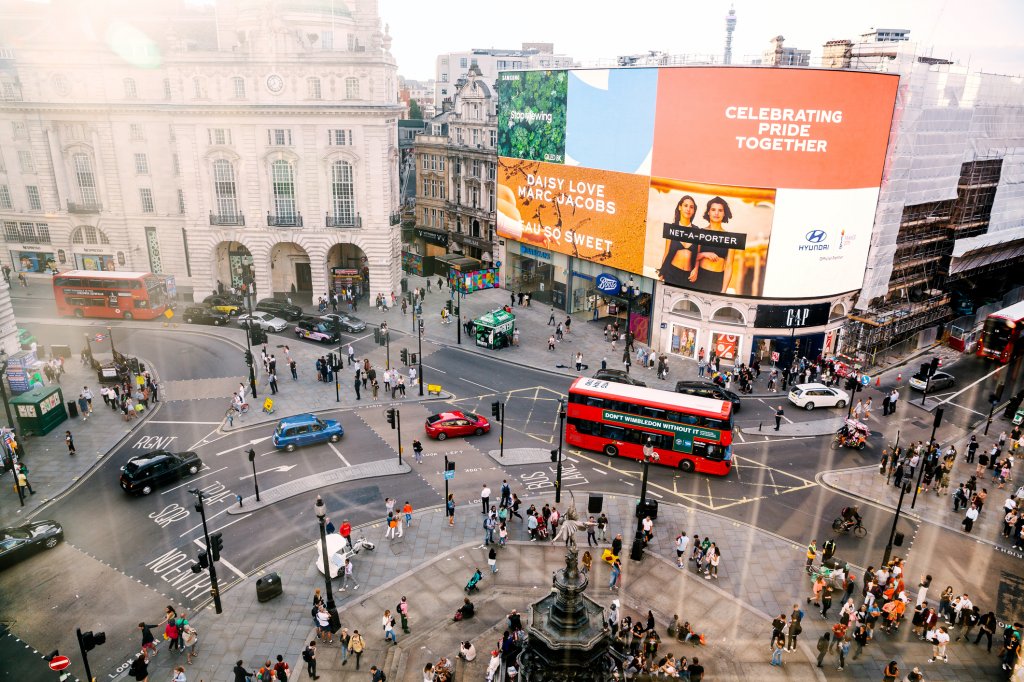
{"type": "Point", "coordinates": [128, 316]}
{"type": "Point", "coordinates": [611, 451]}
{"type": "Point", "coordinates": [79, 313]}
{"type": "Point", "coordinates": [686, 465]}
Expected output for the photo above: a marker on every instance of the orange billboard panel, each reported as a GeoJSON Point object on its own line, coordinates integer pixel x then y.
{"type": "Point", "coordinates": [596, 215]}
{"type": "Point", "coordinates": [794, 128]}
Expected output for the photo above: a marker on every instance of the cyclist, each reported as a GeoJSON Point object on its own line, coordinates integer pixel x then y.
{"type": "Point", "coordinates": [851, 517]}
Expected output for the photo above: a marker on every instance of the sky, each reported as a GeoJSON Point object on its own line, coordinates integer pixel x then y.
{"type": "Point", "coordinates": [983, 34]}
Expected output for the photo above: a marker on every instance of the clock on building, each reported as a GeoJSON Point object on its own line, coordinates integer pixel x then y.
{"type": "Point", "coordinates": [275, 83]}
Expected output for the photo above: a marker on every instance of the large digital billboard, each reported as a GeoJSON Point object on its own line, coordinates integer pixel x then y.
{"type": "Point", "coordinates": [755, 182]}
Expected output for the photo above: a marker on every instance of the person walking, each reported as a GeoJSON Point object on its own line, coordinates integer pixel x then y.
{"type": "Point", "coordinates": [309, 656]}
{"type": "Point", "coordinates": [70, 442]}
{"type": "Point", "coordinates": [822, 646]}
{"type": "Point", "coordinates": [485, 498]}
{"type": "Point", "coordinates": [449, 509]}
{"type": "Point", "coordinates": [272, 380]}
{"type": "Point", "coordinates": [796, 628]}
{"type": "Point", "coordinates": [779, 414]}
{"type": "Point", "coordinates": [812, 553]}
{"type": "Point", "coordinates": [23, 479]}
{"type": "Point", "coordinates": [970, 517]}
{"type": "Point", "coordinates": [891, 672]}
{"type": "Point", "coordinates": [403, 611]}
{"type": "Point", "coordinates": [356, 645]}
{"type": "Point", "coordinates": [392, 526]}
{"type": "Point", "coordinates": [778, 646]}
{"type": "Point", "coordinates": [388, 622]}
{"type": "Point", "coordinates": [616, 573]}
{"type": "Point", "coordinates": [842, 649]}
{"type": "Point", "coordinates": [492, 560]}
{"type": "Point", "coordinates": [417, 451]}
{"type": "Point", "coordinates": [344, 641]}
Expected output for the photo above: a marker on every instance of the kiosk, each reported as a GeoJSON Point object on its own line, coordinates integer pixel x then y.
{"type": "Point", "coordinates": [494, 330]}
{"type": "Point", "coordinates": [40, 410]}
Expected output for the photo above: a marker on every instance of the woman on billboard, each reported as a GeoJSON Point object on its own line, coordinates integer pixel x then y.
{"type": "Point", "coordinates": [712, 270]}
{"type": "Point", "coordinates": [678, 262]}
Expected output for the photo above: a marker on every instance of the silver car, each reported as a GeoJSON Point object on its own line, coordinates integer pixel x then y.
{"type": "Point", "coordinates": [263, 320]}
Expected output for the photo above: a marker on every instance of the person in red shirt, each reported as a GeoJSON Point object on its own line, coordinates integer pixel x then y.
{"type": "Point", "coordinates": [345, 530]}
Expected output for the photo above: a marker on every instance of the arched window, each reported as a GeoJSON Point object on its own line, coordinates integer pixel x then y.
{"type": "Point", "coordinates": [728, 315]}
{"type": "Point", "coordinates": [224, 192]}
{"type": "Point", "coordinates": [686, 308]}
{"type": "Point", "coordinates": [87, 234]}
{"type": "Point", "coordinates": [838, 312]}
{"type": "Point", "coordinates": [351, 88]}
{"type": "Point", "coordinates": [130, 90]}
{"type": "Point", "coordinates": [282, 177]}
{"type": "Point", "coordinates": [343, 195]}
{"type": "Point", "coordinates": [85, 179]}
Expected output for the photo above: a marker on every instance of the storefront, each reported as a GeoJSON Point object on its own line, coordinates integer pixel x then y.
{"type": "Point", "coordinates": [96, 261]}
{"type": "Point", "coordinates": [34, 261]}
{"type": "Point", "coordinates": [428, 244]}
{"type": "Point", "coordinates": [348, 281]}
{"type": "Point", "coordinates": [602, 291]}
{"type": "Point", "coordinates": [536, 271]}
{"type": "Point", "coordinates": [473, 247]}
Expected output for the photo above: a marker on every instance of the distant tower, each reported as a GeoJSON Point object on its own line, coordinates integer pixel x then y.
{"type": "Point", "coordinates": [730, 26]}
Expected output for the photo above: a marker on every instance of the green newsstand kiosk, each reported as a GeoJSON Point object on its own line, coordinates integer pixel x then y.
{"type": "Point", "coordinates": [40, 410]}
{"type": "Point", "coordinates": [494, 330]}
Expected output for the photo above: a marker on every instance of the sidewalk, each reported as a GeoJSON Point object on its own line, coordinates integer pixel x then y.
{"type": "Point", "coordinates": [51, 470]}
{"type": "Point", "coordinates": [761, 575]}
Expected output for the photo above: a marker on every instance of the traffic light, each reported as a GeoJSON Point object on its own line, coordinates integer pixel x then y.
{"type": "Point", "coordinates": [90, 640]}
{"type": "Point", "coordinates": [496, 409]}
{"type": "Point", "coordinates": [204, 562]}
{"type": "Point", "coordinates": [404, 355]}
{"type": "Point", "coordinates": [448, 305]}
{"type": "Point", "coordinates": [258, 336]}
{"type": "Point", "coordinates": [934, 367]}
{"type": "Point", "coordinates": [456, 310]}
{"type": "Point", "coordinates": [554, 455]}
{"type": "Point", "coordinates": [449, 464]}
{"type": "Point", "coordinates": [376, 335]}
{"type": "Point", "coordinates": [415, 358]}
{"type": "Point", "coordinates": [216, 546]}
{"type": "Point", "coordinates": [925, 369]}
{"type": "Point", "coordinates": [248, 357]}
{"type": "Point", "coordinates": [391, 416]}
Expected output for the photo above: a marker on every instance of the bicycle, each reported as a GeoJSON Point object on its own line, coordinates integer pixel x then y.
{"type": "Point", "coordinates": [841, 527]}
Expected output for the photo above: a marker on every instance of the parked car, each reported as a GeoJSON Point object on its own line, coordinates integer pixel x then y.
{"type": "Point", "coordinates": [347, 323]}
{"type": "Point", "coordinates": [305, 429]}
{"type": "Point", "coordinates": [317, 330]}
{"type": "Point", "coordinates": [940, 380]}
{"type": "Point", "coordinates": [197, 314]}
{"type": "Point", "coordinates": [617, 375]}
{"type": "Point", "coordinates": [709, 389]}
{"type": "Point", "coordinates": [263, 320]}
{"type": "Point", "coordinates": [232, 305]}
{"type": "Point", "coordinates": [809, 396]}
{"type": "Point", "coordinates": [445, 424]}
{"type": "Point", "coordinates": [144, 473]}
{"type": "Point", "coordinates": [21, 542]}
{"type": "Point", "coordinates": [280, 308]}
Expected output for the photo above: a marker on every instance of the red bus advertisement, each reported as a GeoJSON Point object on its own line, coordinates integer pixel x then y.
{"type": "Point", "coordinates": [1001, 336]}
{"type": "Point", "coordinates": [687, 432]}
{"type": "Point", "coordinates": [112, 295]}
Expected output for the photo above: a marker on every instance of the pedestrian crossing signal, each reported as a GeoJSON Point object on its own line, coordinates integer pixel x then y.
{"type": "Point", "coordinates": [404, 354]}
{"type": "Point", "coordinates": [496, 409]}
{"type": "Point", "coordinates": [391, 416]}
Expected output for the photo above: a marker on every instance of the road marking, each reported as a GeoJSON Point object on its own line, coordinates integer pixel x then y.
{"type": "Point", "coordinates": [600, 471]}
{"type": "Point", "coordinates": [651, 492]}
{"type": "Point", "coordinates": [739, 434]}
{"type": "Point", "coordinates": [281, 469]}
{"type": "Point", "coordinates": [194, 478]}
{"type": "Point", "coordinates": [155, 421]}
{"type": "Point", "coordinates": [941, 402]}
{"type": "Point", "coordinates": [208, 519]}
{"type": "Point", "coordinates": [222, 560]}
{"type": "Point", "coordinates": [338, 453]}
{"type": "Point", "coordinates": [435, 369]}
{"type": "Point", "coordinates": [257, 441]}
{"type": "Point", "coordinates": [627, 483]}
{"type": "Point", "coordinates": [982, 414]}
{"type": "Point", "coordinates": [488, 388]}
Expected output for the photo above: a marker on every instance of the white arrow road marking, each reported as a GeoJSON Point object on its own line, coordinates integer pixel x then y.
{"type": "Point", "coordinates": [243, 445]}
{"type": "Point", "coordinates": [283, 468]}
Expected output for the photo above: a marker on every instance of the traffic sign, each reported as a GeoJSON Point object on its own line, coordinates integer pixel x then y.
{"type": "Point", "coordinates": [59, 662]}
{"type": "Point", "coordinates": [865, 379]}
{"type": "Point", "coordinates": [99, 337]}
{"type": "Point", "coordinates": [169, 313]}
{"type": "Point", "coordinates": [449, 475]}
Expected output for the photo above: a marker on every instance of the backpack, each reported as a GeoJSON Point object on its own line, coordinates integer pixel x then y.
{"type": "Point", "coordinates": [383, 676]}
{"type": "Point", "coordinates": [282, 674]}
{"type": "Point", "coordinates": [307, 655]}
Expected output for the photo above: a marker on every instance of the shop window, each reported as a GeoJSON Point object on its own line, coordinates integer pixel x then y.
{"type": "Point", "coordinates": [686, 308]}
{"type": "Point", "coordinates": [728, 315]}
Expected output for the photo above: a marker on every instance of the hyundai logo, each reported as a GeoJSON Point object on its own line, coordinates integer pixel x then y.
{"type": "Point", "coordinates": [816, 236]}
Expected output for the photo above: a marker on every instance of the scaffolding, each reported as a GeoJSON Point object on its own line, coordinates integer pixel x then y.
{"type": "Point", "coordinates": [976, 193]}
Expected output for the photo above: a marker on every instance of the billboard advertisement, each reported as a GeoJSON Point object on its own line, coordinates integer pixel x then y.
{"type": "Point", "coordinates": [740, 181]}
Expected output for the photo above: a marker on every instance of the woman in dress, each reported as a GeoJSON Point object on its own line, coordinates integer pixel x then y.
{"type": "Point", "coordinates": [675, 267]}
{"type": "Point", "coordinates": [713, 266]}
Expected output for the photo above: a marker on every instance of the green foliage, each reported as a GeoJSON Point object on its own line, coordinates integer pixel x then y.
{"type": "Point", "coordinates": [415, 113]}
{"type": "Point", "coordinates": [539, 94]}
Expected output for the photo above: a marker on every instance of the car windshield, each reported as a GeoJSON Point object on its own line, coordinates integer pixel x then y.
{"type": "Point", "coordinates": [14, 533]}
{"type": "Point", "coordinates": [472, 417]}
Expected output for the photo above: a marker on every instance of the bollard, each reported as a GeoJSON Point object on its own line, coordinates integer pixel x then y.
{"type": "Point", "coordinates": [759, 425]}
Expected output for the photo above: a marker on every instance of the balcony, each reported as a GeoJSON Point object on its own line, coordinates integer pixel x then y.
{"type": "Point", "coordinates": [84, 207]}
{"type": "Point", "coordinates": [333, 221]}
{"type": "Point", "coordinates": [284, 220]}
{"type": "Point", "coordinates": [396, 218]}
{"type": "Point", "coordinates": [227, 219]}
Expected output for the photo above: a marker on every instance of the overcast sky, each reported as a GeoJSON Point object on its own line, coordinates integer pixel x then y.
{"type": "Point", "coordinates": [984, 33]}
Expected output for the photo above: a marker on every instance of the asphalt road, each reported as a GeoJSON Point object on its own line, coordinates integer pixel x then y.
{"type": "Point", "coordinates": [150, 541]}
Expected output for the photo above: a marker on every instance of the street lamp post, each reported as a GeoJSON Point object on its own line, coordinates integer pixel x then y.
{"type": "Point", "coordinates": [892, 534]}
{"type": "Point", "coordinates": [636, 552]}
{"type": "Point", "coordinates": [419, 355]}
{"type": "Point", "coordinates": [561, 430]}
{"type": "Point", "coordinates": [920, 471]}
{"type": "Point", "coordinates": [321, 515]}
{"type": "Point", "coordinates": [630, 292]}
{"type": "Point", "coordinates": [337, 364]}
{"type": "Point", "coordinates": [214, 585]}
{"type": "Point", "coordinates": [252, 459]}
{"type": "Point", "coordinates": [249, 359]}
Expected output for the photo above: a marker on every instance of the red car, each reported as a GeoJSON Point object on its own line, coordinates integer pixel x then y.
{"type": "Point", "coordinates": [445, 424]}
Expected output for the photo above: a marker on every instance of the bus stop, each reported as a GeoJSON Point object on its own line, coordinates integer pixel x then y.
{"type": "Point", "coordinates": [495, 329]}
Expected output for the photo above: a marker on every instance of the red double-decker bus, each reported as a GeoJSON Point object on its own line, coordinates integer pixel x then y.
{"type": "Point", "coordinates": [112, 295]}
{"type": "Point", "coordinates": [1001, 336]}
{"type": "Point", "coordinates": [688, 432]}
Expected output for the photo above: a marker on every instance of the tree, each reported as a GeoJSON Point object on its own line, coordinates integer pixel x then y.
{"type": "Point", "coordinates": [415, 113]}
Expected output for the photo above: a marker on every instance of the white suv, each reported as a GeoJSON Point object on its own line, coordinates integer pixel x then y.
{"type": "Point", "coordinates": [809, 396]}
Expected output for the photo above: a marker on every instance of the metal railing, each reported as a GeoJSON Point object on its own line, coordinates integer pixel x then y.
{"type": "Point", "coordinates": [284, 220]}
{"type": "Point", "coordinates": [84, 207]}
{"type": "Point", "coordinates": [333, 221]}
{"type": "Point", "coordinates": [227, 219]}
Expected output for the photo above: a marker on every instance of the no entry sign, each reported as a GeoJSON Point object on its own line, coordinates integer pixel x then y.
{"type": "Point", "coordinates": [59, 662]}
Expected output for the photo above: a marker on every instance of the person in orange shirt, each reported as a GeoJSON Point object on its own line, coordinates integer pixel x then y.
{"type": "Point", "coordinates": [407, 510]}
